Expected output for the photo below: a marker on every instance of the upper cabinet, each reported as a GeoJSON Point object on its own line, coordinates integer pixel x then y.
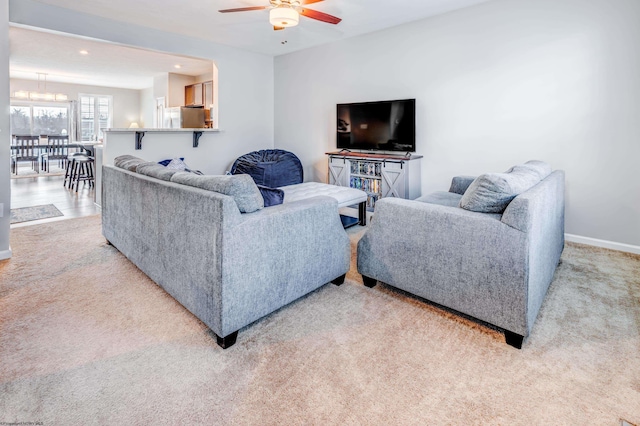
{"type": "Point", "coordinates": [199, 94]}
{"type": "Point", "coordinates": [207, 90]}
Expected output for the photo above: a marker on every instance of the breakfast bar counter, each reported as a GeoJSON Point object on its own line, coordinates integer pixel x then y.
{"type": "Point", "coordinates": [198, 147]}
{"type": "Point", "coordinates": [157, 144]}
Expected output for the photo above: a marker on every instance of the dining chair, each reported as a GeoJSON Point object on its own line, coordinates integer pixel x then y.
{"type": "Point", "coordinates": [26, 148]}
{"type": "Point", "coordinates": [57, 149]}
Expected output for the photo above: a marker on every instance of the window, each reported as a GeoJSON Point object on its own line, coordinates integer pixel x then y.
{"type": "Point", "coordinates": [95, 115]}
{"type": "Point", "coordinates": [34, 118]}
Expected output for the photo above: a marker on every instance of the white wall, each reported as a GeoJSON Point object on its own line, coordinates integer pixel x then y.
{"type": "Point", "coordinates": [204, 77]}
{"type": "Point", "coordinates": [245, 92]}
{"type": "Point", "coordinates": [177, 82]}
{"type": "Point", "coordinates": [5, 134]}
{"type": "Point", "coordinates": [161, 87]}
{"type": "Point", "coordinates": [496, 84]}
{"type": "Point", "coordinates": [147, 108]}
{"type": "Point", "coordinates": [126, 102]}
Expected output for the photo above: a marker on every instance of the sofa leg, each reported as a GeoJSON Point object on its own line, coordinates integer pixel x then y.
{"type": "Point", "coordinates": [513, 339]}
{"type": "Point", "coordinates": [369, 282]}
{"type": "Point", "coordinates": [339, 280]}
{"type": "Point", "coordinates": [362, 213]}
{"type": "Point", "coordinates": [228, 341]}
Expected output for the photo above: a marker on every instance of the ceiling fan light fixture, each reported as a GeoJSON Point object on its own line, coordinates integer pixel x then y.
{"type": "Point", "coordinates": [283, 16]}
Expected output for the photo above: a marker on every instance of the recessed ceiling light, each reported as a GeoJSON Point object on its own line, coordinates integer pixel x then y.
{"type": "Point", "coordinates": [84, 52]}
{"type": "Point", "coordinates": [177, 66]}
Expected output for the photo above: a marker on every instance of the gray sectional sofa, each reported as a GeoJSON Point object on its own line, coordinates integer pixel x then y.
{"type": "Point", "coordinates": [209, 242]}
{"type": "Point", "coordinates": [488, 248]}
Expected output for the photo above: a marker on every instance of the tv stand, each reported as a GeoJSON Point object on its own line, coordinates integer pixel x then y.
{"type": "Point", "coordinates": [378, 174]}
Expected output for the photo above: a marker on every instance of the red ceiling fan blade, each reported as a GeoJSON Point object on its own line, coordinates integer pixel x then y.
{"type": "Point", "coordinates": [310, 1]}
{"type": "Point", "coordinates": [320, 16]}
{"type": "Point", "coordinates": [243, 9]}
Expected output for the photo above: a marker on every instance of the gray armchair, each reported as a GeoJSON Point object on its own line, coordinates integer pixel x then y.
{"type": "Point", "coordinates": [493, 266]}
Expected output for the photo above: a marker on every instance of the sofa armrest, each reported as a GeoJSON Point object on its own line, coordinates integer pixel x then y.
{"type": "Point", "coordinates": [278, 254]}
{"type": "Point", "coordinates": [459, 184]}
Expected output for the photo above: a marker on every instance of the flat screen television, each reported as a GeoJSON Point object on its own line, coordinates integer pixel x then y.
{"type": "Point", "coordinates": [377, 126]}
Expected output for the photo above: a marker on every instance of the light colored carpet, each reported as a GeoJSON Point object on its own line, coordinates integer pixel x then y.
{"type": "Point", "coordinates": [27, 214]}
{"type": "Point", "coordinates": [86, 338]}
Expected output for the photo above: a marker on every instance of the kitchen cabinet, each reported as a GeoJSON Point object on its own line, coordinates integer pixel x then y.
{"type": "Point", "coordinates": [199, 94]}
{"type": "Point", "coordinates": [189, 95]}
{"type": "Point", "coordinates": [207, 89]}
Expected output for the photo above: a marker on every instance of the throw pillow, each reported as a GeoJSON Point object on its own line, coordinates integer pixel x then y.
{"type": "Point", "coordinates": [155, 170]}
{"type": "Point", "coordinates": [492, 192]}
{"type": "Point", "coordinates": [177, 164]}
{"type": "Point", "coordinates": [128, 162]}
{"type": "Point", "coordinates": [166, 162]}
{"type": "Point", "coordinates": [241, 187]}
{"type": "Point", "coordinates": [271, 196]}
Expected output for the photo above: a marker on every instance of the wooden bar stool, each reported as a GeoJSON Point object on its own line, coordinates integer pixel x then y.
{"type": "Point", "coordinates": [82, 171]}
{"type": "Point", "coordinates": [69, 168]}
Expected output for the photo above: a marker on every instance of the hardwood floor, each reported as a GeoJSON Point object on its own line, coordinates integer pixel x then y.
{"type": "Point", "coordinates": [34, 191]}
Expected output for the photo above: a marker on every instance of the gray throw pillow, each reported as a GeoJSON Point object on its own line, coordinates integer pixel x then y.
{"type": "Point", "coordinates": [155, 170]}
{"type": "Point", "coordinates": [492, 192]}
{"type": "Point", "coordinates": [241, 187]}
{"type": "Point", "coordinates": [128, 162]}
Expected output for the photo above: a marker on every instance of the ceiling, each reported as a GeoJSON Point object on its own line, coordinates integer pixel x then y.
{"type": "Point", "coordinates": [201, 19]}
{"type": "Point", "coordinates": [105, 64]}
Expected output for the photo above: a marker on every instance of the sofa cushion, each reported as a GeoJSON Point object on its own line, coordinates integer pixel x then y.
{"type": "Point", "coordinates": [155, 170]}
{"type": "Point", "coordinates": [241, 187]}
{"type": "Point", "coordinates": [442, 198]}
{"type": "Point", "coordinates": [271, 196]}
{"type": "Point", "coordinates": [492, 192]}
{"type": "Point", "coordinates": [345, 196]}
{"type": "Point", "coordinates": [128, 162]}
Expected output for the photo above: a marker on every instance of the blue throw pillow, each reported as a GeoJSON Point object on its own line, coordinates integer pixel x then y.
{"type": "Point", "coordinates": [271, 196]}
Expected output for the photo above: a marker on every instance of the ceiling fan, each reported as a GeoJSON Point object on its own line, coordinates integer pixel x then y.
{"type": "Point", "coordinates": [286, 13]}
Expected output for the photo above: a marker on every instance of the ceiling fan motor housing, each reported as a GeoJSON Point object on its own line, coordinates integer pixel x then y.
{"type": "Point", "coordinates": [286, 13]}
{"type": "Point", "coordinates": [286, 3]}
{"type": "Point", "coordinates": [283, 15]}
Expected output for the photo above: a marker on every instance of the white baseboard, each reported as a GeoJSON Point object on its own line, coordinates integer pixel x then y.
{"type": "Point", "coordinates": [602, 243]}
{"type": "Point", "coordinates": [5, 254]}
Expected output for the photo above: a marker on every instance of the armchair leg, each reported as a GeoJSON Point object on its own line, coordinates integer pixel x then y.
{"type": "Point", "coordinates": [228, 341]}
{"type": "Point", "coordinates": [369, 282]}
{"type": "Point", "coordinates": [339, 280]}
{"type": "Point", "coordinates": [513, 339]}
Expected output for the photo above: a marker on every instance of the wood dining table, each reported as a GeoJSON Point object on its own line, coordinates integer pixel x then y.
{"type": "Point", "coordinates": [37, 153]}
{"type": "Point", "coordinates": [44, 147]}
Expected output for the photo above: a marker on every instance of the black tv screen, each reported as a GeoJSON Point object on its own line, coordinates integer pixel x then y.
{"type": "Point", "coordinates": [383, 125]}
